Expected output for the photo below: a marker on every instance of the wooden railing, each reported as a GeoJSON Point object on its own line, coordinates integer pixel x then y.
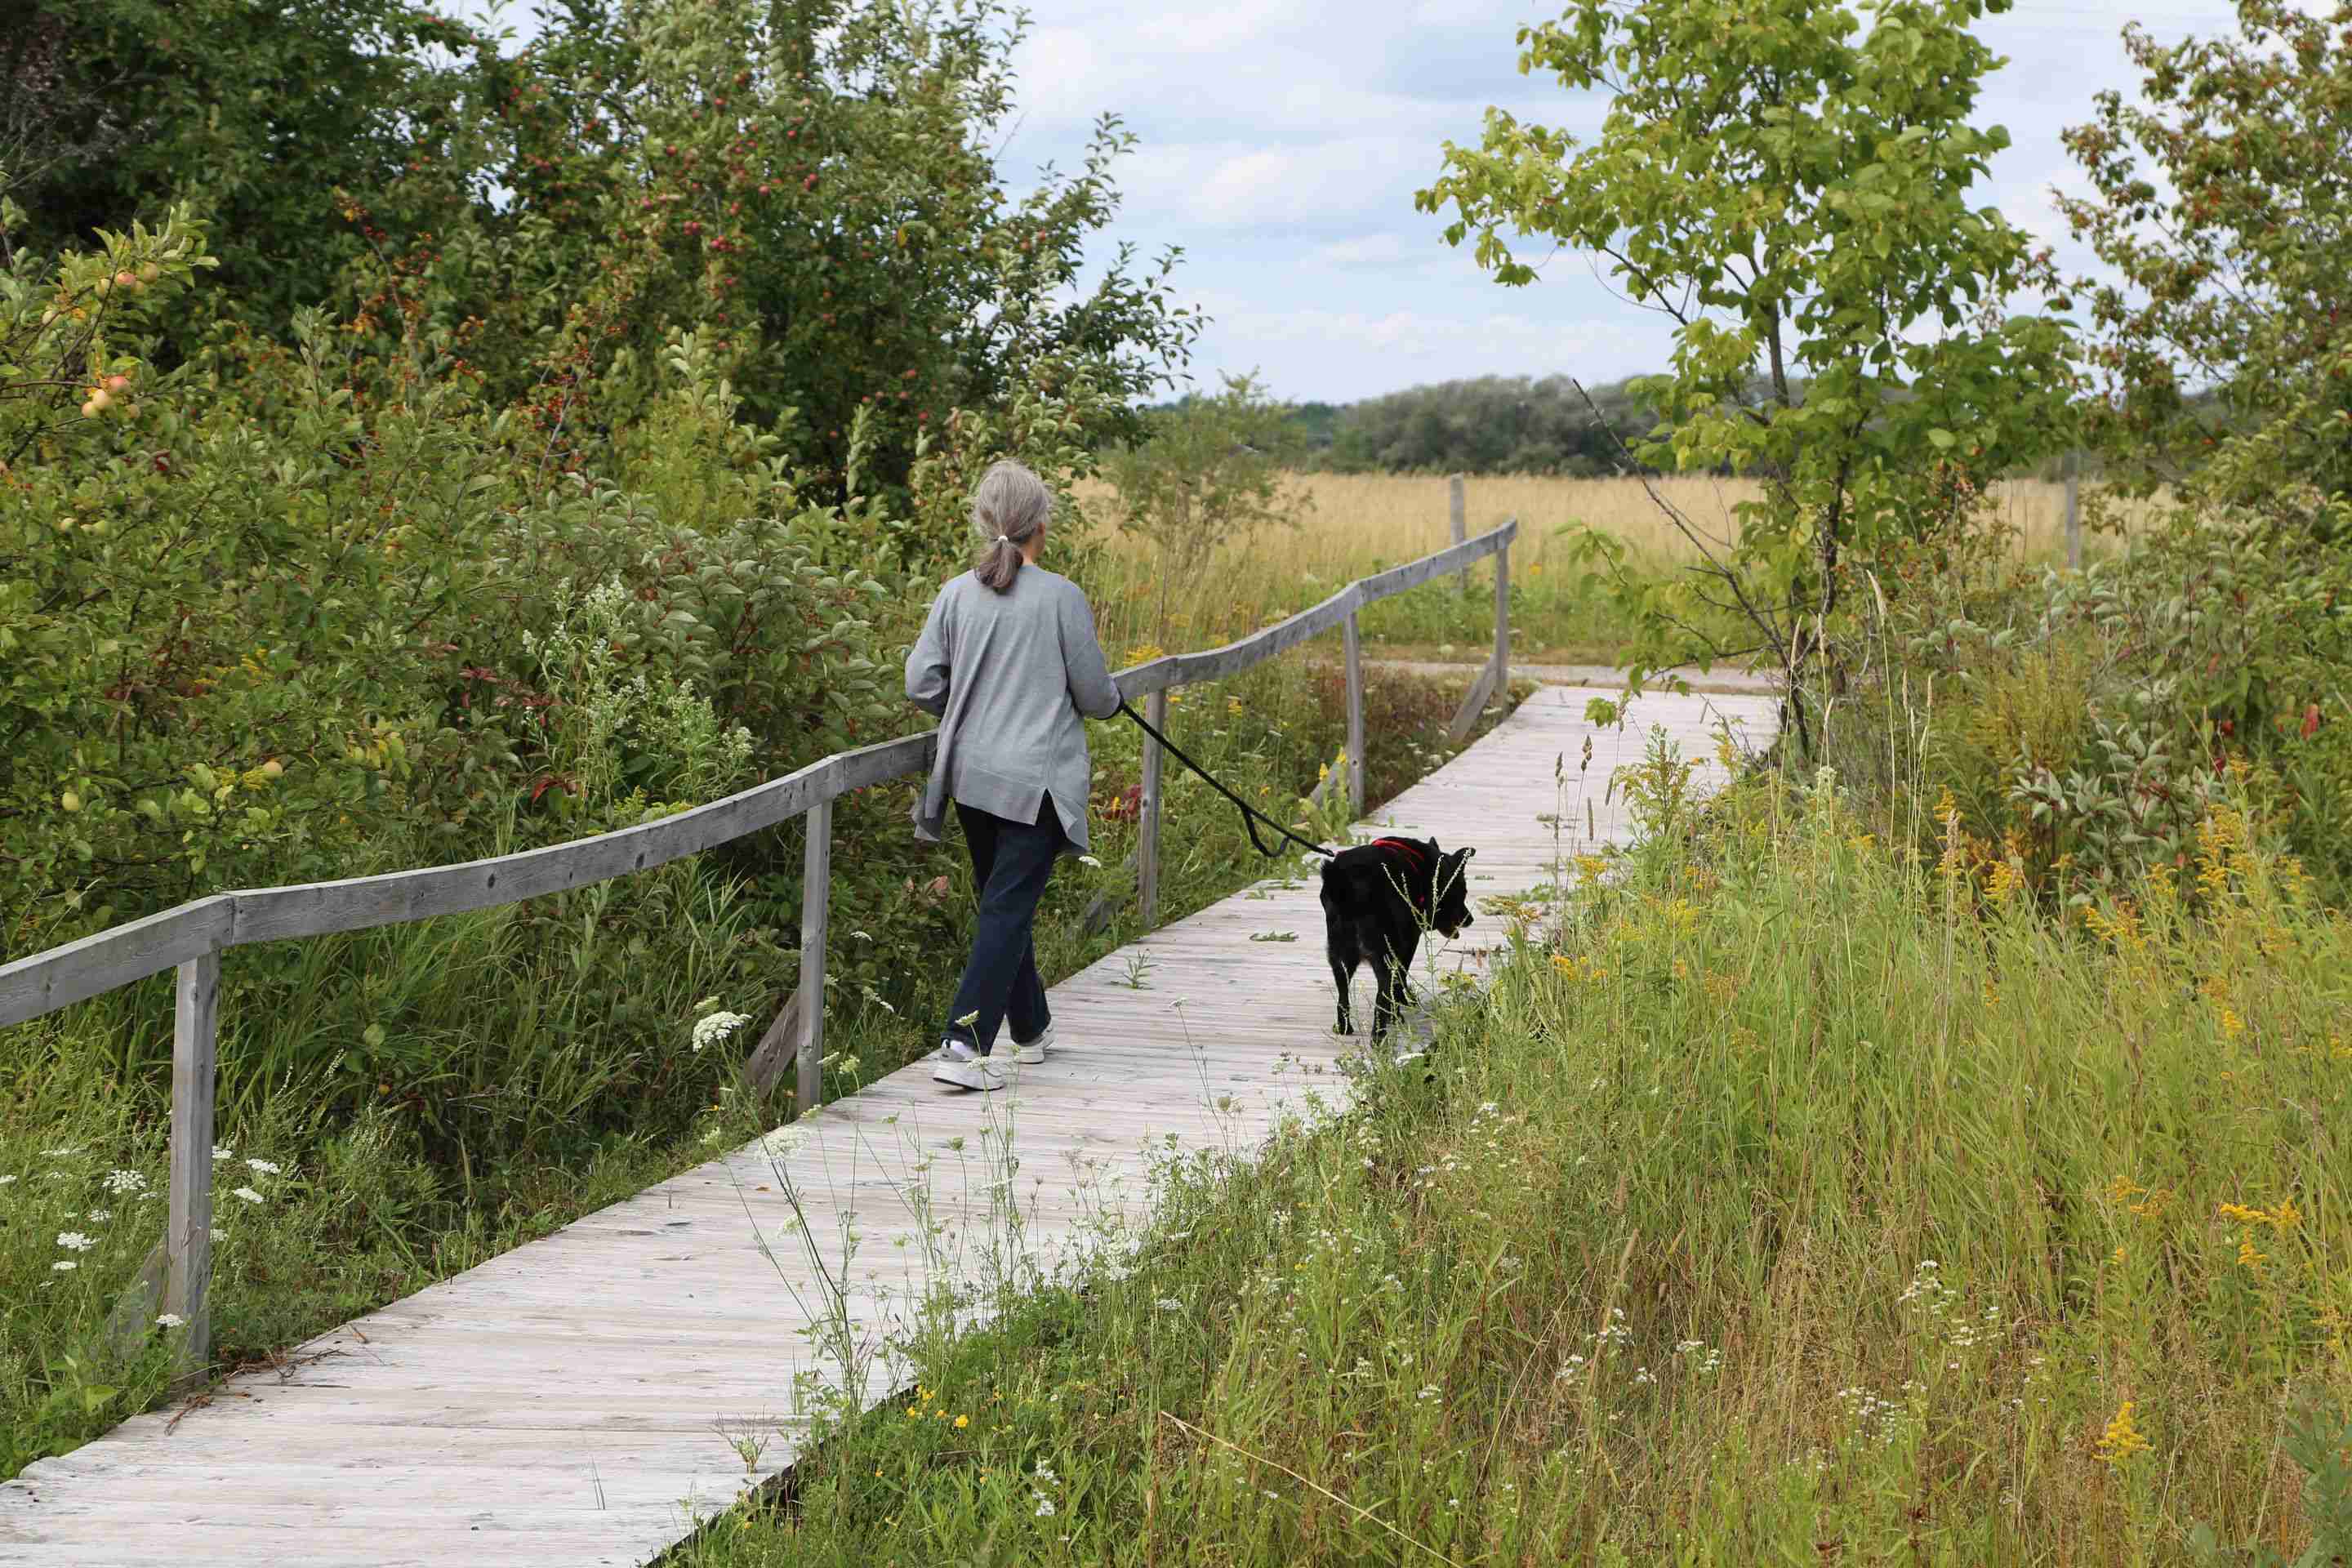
{"type": "Point", "coordinates": [192, 936]}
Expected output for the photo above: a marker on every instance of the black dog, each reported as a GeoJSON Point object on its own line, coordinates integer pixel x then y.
{"type": "Point", "coordinates": [1378, 898]}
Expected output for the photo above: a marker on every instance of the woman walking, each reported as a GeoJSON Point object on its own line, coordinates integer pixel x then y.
{"type": "Point", "coordinates": [1009, 661]}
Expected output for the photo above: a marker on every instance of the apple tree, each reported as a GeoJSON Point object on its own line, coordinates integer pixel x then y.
{"type": "Point", "coordinates": [2240, 282]}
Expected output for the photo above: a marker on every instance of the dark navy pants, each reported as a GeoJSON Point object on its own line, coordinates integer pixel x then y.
{"type": "Point", "coordinates": [1010, 864]}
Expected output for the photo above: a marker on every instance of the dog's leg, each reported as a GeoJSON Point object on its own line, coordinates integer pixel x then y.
{"type": "Point", "coordinates": [1339, 947]}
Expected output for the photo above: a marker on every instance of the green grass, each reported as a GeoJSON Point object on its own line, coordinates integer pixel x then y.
{"type": "Point", "coordinates": [434, 1094]}
{"type": "Point", "coordinates": [1791, 1205]}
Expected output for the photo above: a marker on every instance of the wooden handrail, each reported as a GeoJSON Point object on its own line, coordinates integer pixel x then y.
{"type": "Point", "coordinates": [192, 937]}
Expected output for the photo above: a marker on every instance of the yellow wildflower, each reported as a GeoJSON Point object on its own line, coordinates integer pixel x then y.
{"type": "Point", "coordinates": [2123, 1438]}
{"type": "Point", "coordinates": [962, 1422]}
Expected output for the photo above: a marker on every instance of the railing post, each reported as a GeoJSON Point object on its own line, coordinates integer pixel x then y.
{"type": "Point", "coordinates": [1147, 817]}
{"type": "Point", "coordinates": [1355, 717]}
{"type": "Point", "coordinates": [1457, 521]}
{"type": "Point", "coordinates": [2073, 509]}
{"type": "Point", "coordinates": [1503, 622]}
{"type": "Point", "coordinates": [816, 888]}
{"type": "Point", "coordinates": [188, 1245]}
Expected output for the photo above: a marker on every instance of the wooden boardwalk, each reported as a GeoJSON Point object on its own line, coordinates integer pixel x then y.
{"type": "Point", "coordinates": [586, 1399]}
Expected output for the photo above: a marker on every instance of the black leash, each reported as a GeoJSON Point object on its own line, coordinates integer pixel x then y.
{"type": "Point", "coordinates": [1251, 816]}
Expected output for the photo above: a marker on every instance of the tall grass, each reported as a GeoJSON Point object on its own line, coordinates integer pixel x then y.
{"type": "Point", "coordinates": [1790, 1202]}
{"type": "Point", "coordinates": [1354, 524]}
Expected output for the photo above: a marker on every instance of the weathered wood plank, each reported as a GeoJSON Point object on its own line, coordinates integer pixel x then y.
{"type": "Point", "coordinates": [817, 903]}
{"type": "Point", "coordinates": [1503, 616]}
{"type": "Point", "coordinates": [361, 902]}
{"type": "Point", "coordinates": [1353, 653]}
{"type": "Point", "coordinates": [1147, 817]}
{"type": "Point", "coordinates": [188, 1241]}
{"type": "Point", "coordinates": [1465, 718]}
{"type": "Point", "coordinates": [100, 962]}
{"type": "Point", "coordinates": [778, 1048]}
{"type": "Point", "coordinates": [1455, 517]}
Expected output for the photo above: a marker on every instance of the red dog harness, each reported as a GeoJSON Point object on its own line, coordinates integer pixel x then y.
{"type": "Point", "coordinates": [1414, 853]}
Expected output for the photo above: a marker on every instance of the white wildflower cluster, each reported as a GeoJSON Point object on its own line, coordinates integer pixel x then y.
{"type": "Point", "coordinates": [1698, 1359]}
{"type": "Point", "coordinates": [713, 1027]}
{"type": "Point", "coordinates": [75, 1241]}
{"type": "Point", "coordinates": [262, 1167]}
{"type": "Point", "coordinates": [1616, 1336]}
{"type": "Point", "coordinates": [125, 1184]}
{"type": "Point", "coordinates": [1943, 1311]}
{"type": "Point", "coordinates": [1929, 1291]}
{"type": "Point", "coordinates": [1039, 1479]}
{"type": "Point", "coordinates": [1875, 1420]}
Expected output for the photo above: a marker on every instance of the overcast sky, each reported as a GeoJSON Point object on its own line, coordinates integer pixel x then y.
{"type": "Point", "coordinates": [1282, 143]}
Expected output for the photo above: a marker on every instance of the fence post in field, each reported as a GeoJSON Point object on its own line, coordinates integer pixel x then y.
{"type": "Point", "coordinates": [188, 1245]}
{"type": "Point", "coordinates": [1146, 817]}
{"type": "Point", "coordinates": [1456, 521]}
{"type": "Point", "coordinates": [816, 889]}
{"type": "Point", "coordinates": [1355, 717]}
{"type": "Point", "coordinates": [1502, 623]}
{"type": "Point", "coordinates": [2073, 509]}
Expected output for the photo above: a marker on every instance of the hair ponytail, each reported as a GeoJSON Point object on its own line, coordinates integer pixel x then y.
{"type": "Point", "coordinates": [1009, 509]}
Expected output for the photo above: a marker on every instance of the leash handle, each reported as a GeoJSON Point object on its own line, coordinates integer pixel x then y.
{"type": "Point", "coordinates": [1251, 816]}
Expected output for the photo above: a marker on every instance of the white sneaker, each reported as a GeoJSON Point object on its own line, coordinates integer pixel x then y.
{"type": "Point", "coordinates": [961, 1066]}
{"type": "Point", "coordinates": [1033, 1051]}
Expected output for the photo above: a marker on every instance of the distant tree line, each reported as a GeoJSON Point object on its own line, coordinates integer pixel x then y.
{"type": "Point", "coordinates": [1523, 424]}
{"type": "Point", "coordinates": [1489, 424]}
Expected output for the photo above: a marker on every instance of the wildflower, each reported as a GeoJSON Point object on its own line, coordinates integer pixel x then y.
{"type": "Point", "coordinates": [2123, 1438]}
{"type": "Point", "coordinates": [1169, 1304]}
{"type": "Point", "coordinates": [1044, 1472]}
{"type": "Point", "coordinates": [717, 1026]}
{"type": "Point", "coordinates": [216, 1236]}
{"type": "Point", "coordinates": [121, 1181]}
{"type": "Point", "coordinates": [101, 1215]}
{"type": "Point", "coordinates": [1045, 1505]}
{"type": "Point", "coordinates": [64, 1265]}
{"type": "Point", "coordinates": [262, 1167]}
{"type": "Point", "coordinates": [75, 1241]}
{"type": "Point", "coordinates": [1089, 860]}
{"type": "Point", "coordinates": [171, 1320]}
{"type": "Point", "coordinates": [223, 1151]}
{"type": "Point", "coordinates": [247, 1194]}
{"type": "Point", "coordinates": [962, 1422]}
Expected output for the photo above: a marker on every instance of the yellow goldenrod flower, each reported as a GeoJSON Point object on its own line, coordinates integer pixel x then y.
{"type": "Point", "coordinates": [2123, 1438]}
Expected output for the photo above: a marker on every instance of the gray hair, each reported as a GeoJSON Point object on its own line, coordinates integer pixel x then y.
{"type": "Point", "coordinates": [1009, 509]}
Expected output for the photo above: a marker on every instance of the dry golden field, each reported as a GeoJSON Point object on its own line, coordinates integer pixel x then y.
{"type": "Point", "coordinates": [1356, 519]}
{"type": "Point", "coordinates": [1353, 524]}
